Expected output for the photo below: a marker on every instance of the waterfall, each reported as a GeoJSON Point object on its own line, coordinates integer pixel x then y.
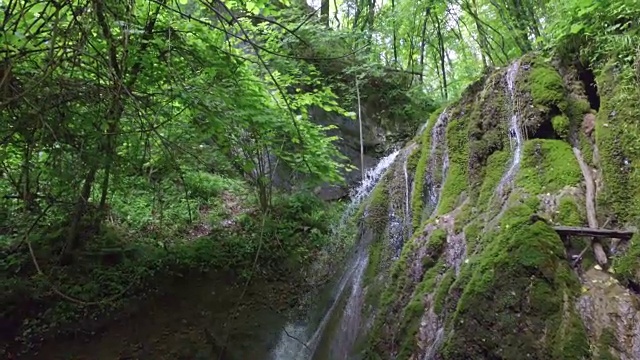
{"type": "Point", "coordinates": [400, 224]}
{"type": "Point", "coordinates": [370, 180]}
{"type": "Point", "coordinates": [438, 142]}
{"type": "Point", "coordinates": [516, 139]}
{"type": "Point", "coordinates": [422, 128]}
{"type": "Point", "coordinates": [407, 191]}
{"type": "Point", "coordinates": [300, 341]}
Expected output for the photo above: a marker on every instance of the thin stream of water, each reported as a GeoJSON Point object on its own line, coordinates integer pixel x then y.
{"type": "Point", "coordinates": [438, 141]}
{"type": "Point", "coordinates": [516, 139]}
{"type": "Point", "coordinates": [299, 341]}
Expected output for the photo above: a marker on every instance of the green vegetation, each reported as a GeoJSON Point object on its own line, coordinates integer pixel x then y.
{"type": "Point", "coordinates": [523, 264]}
{"type": "Point", "coordinates": [606, 342]}
{"type": "Point", "coordinates": [561, 125]}
{"type": "Point", "coordinates": [617, 135]}
{"type": "Point", "coordinates": [569, 213]}
{"type": "Point", "coordinates": [145, 144]}
{"type": "Point", "coordinates": [627, 266]}
{"type": "Point", "coordinates": [378, 207]}
{"type": "Point", "coordinates": [443, 290]}
{"type": "Point", "coordinates": [139, 146]}
{"type": "Point", "coordinates": [548, 166]}
{"type": "Point", "coordinates": [547, 87]}
{"type": "Point", "coordinates": [496, 166]}
{"type": "Point", "coordinates": [456, 181]}
{"type": "Point", "coordinates": [417, 199]}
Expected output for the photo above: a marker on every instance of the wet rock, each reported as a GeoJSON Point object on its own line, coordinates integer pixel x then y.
{"type": "Point", "coordinates": [606, 306]}
{"type": "Point", "coordinates": [331, 193]}
{"type": "Point", "coordinates": [431, 332]}
{"type": "Point", "coordinates": [588, 124]}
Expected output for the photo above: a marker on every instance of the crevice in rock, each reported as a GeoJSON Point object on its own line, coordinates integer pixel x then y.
{"type": "Point", "coordinates": [633, 286]}
{"type": "Point", "coordinates": [544, 131]}
{"type": "Point", "coordinates": [588, 79]}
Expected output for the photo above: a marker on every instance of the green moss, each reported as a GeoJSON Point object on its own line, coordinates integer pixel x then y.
{"type": "Point", "coordinates": [627, 266]}
{"type": "Point", "coordinates": [532, 201]}
{"type": "Point", "coordinates": [472, 234]}
{"type": "Point", "coordinates": [417, 198]}
{"type": "Point", "coordinates": [413, 312]}
{"type": "Point", "coordinates": [579, 106]}
{"type": "Point", "coordinates": [378, 207]}
{"type": "Point", "coordinates": [548, 166]}
{"type": "Point", "coordinates": [571, 341]}
{"type": "Point", "coordinates": [435, 246]}
{"type": "Point", "coordinates": [496, 166]}
{"type": "Point", "coordinates": [414, 158]}
{"type": "Point", "coordinates": [377, 257]}
{"type": "Point", "coordinates": [561, 125]}
{"type": "Point", "coordinates": [606, 342]}
{"type": "Point", "coordinates": [377, 219]}
{"type": "Point", "coordinates": [456, 182]}
{"type": "Point", "coordinates": [401, 302]}
{"type": "Point", "coordinates": [463, 217]}
{"type": "Point", "coordinates": [569, 213]}
{"type": "Point", "coordinates": [443, 290]}
{"type": "Point", "coordinates": [617, 136]}
{"type": "Point", "coordinates": [547, 87]}
{"type": "Point", "coordinates": [515, 294]}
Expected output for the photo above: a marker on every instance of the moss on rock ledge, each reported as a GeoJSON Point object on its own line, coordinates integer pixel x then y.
{"type": "Point", "coordinates": [457, 179]}
{"type": "Point", "coordinates": [514, 304]}
{"type": "Point", "coordinates": [510, 293]}
{"type": "Point", "coordinates": [418, 195]}
{"type": "Point", "coordinates": [618, 138]}
{"type": "Point", "coordinates": [548, 166]}
{"type": "Point", "coordinates": [546, 86]}
{"type": "Point", "coordinates": [627, 266]}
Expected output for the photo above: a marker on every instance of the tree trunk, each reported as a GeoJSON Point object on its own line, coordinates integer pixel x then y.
{"type": "Point", "coordinates": [324, 12]}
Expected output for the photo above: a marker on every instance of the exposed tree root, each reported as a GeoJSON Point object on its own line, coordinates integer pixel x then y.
{"type": "Point", "coordinates": [598, 250]}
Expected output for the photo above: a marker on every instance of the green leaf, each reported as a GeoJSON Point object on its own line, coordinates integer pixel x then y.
{"type": "Point", "coordinates": [576, 28]}
{"type": "Point", "coordinates": [252, 7]}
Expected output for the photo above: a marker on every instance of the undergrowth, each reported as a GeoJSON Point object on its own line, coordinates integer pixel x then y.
{"type": "Point", "coordinates": [214, 227]}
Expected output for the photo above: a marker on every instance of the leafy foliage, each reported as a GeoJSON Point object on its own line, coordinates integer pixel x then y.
{"type": "Point", "coordinates": [142, 138]}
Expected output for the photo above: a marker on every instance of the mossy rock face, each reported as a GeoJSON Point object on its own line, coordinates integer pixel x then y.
{"type": "Point", "coordinates": [418, 195]}
{"type": "Point", "coordinates": [617, 136]}
{"type": "Point", "coordinates": [487, 133]}
{"type": "Point", "coordinates": [548, 166]}
{"type": "Point", "coordinates": [546, 87]}
{"type": "Point", "coordinates": [456, 181]}
{"type": "Point", "coordinates": [515, 299]}
{"type": "Point", "coordinates": [413, 276]}
{"type": "Point", "coordinates": [515, 294]}
{"type": "Point", "coordinates": [561, 125]}
{"type": "Point", "coordinates": [377, 209]}
{"type": "Point", "coordinates": [569, 213]}
{"type": "Point", "coordinates": [627, 266]}
{"type": "Point", "coordinates": [541, 96]}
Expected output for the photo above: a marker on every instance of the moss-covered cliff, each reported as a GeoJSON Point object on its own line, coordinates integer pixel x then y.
{"type": "Point", "coordinates": [481, 277]}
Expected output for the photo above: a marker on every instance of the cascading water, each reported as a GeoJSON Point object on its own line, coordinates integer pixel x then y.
{"type": "Point", "coordinates": [367, 184]}
{"type": "Point", "coordinates": [299, 341]}
{"type": "Point", "coordinates": [438, 142]}
{"type": "Point", "coordinates": [516, 139]}
{"type": "Point", "coordinates": [400, 209]}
